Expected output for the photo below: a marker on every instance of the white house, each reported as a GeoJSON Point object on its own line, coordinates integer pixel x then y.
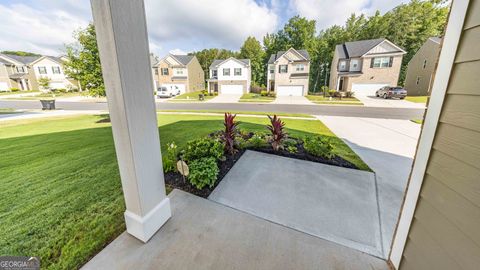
{"type": "Point", "coordinates": [52, 68]}
{"type": "Point", "coordinates": [230, 76]}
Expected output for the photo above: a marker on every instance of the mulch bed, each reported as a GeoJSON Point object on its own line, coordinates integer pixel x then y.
{"type": "Point", "coordinates": [175, 179]}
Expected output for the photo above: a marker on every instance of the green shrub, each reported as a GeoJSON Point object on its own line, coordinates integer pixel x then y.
{"type": "Point", "coordinates": [290, 145]}
{"type": "Point", "coordinates": [263, 93]}
{"type": "Point", "coordinates": [332, 92]}
{"type": "Point", "coordinates": [292, 149]}
{"type": "Point", "coordinates": [318, 146]}
{"type": "Point", "coordinates": [202, 148]}
{"type": "Point", "coordinates": [258, 140]}
{"type": "Point", "coordinates": [14, 89]}
{"type": "Point", "coordinates": [272, 94]}
{"type": "Point", "coordinates": [203, 172]}
{"type": "Point", "coordinates": [170, 159]}
{"type": "Point", "coordinates": [349, 94]}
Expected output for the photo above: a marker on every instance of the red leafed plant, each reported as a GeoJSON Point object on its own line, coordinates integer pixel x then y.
{"type": "Point", "coordinates": [278, 134]}
{"type": "Point", "coordinates": [230, 132]}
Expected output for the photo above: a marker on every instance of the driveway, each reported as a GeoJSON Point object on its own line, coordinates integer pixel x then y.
{"type": "Point", "coordinates": [388, 147]}
{"type": "Point", "coordinates": [225, 98]}
{"type": "Point", "coordinates": [297, 100]}
{"type": "Point", "coordinates": [374, 101]}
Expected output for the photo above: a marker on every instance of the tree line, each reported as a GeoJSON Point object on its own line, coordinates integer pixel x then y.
{"type": "Point", "coordinates": [407, 25]}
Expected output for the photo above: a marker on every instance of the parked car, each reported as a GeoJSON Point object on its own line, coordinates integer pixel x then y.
{"type": "Point", "coordinates": [164, 92]}
{"type": "Point", "coordinates": [391, 92]}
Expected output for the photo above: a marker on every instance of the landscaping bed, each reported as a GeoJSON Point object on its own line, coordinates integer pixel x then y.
{"type": "Point", "coordinates": [320, 99]}
{"type": "Point", "coordinates": [226, 147]}
{"type": "Point", "coordinates": [253, 97]}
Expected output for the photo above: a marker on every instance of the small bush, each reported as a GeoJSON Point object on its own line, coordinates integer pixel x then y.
{"type": "Point", "coordinates": [257, 141]}
{"type": "Point", "coordinates": [170, 159]}
{"type": "Point", "coordinates": [14, 89]}
{"type": "Point", "coordinates": [272, 94]}
{"type": "Point", "coordinates": [263, 93]}
{"type": "Point", "coordinates": [277, 132]}
{"type": "Point", "coordinates": [229, 134]}
{"type": "Point", "coordinates": [202, 148]}
{"type": "Point", "coordinates": [332, 92]}
{"type": "Point", "coordinates": [257, 89]}
{"type": "Point", "coordinates": [203, 172]}
{"type": "Point", "coordinates": [292, 149]}
{"type": "Point", "coordinates": [318, 146]}
{"type": "Point", "coordinates": [349, 94]}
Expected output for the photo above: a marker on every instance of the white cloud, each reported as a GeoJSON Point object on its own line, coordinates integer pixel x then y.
{"type": "Point", "coordinates": [44, 31]}
{"type": "Point", "coordinates": [224, 23]}
{"type": "Point", "coordinates": [330, 12]}
{"type": "Point", "coordinates": [178, 52]}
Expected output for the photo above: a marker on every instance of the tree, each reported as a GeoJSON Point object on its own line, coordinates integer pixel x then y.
{"type": "Point", "coordinates": [83, 61]}
{"type": "Point", "coordinates": [251, 49]}
{"type": "Point", "coordinates": [44, 82]}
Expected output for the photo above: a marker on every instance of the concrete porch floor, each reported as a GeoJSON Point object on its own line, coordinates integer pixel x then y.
{"type": "Point", "coordinates": [206, 235]}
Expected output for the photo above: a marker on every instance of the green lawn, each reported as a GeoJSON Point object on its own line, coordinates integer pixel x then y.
{"type": "Point", "coordinates": [417, 121]}
{"type": "Point", "coordinates": [326, 100]}
{"type": "Point", "coordinates": [17, 92]}
{"type": "Point", "coordinates": [61, 196]}
{"type": "Point", "coordinates": [253, 97]}
{"type": "Point", "coordinates": [303, 115]}
{"type": "Point", "coordinates": [48, 96]}
{"type": "Point", "coordinates": [417, 99]}
{"type": "Point", "coordinates": [8, 111]}
{"type": "Point", "coordinates": [192, 96]}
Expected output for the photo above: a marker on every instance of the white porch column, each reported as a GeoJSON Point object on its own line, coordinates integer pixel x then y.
{"type": "Point", "coordinates": [124, 53]}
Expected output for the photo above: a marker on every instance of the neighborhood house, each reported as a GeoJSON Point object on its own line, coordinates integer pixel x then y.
{"type": "Point", "coordinates": [288, 73]}
{"type": "Point", "coordinates": [230, 76]}
{"type": "Point", "coordinates": [365, 66]}
{"type": "Point", "coordinates": [421, 67]}
{"type": "Point", "coordinates": [179, 72]}
{"type": "Point", "coordinates": [23, 72]}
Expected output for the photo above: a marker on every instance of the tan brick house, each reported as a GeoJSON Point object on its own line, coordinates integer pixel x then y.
{"type": "Point", "coordinates": [421, 67]}
{"type": "Point", "coordinates": [17, 72]}
{"type": "Point", "coordinates": [179, 72]}
{"type": "Point", "coordinates": [365, 66]}
{"type": "Point", "coordinates": [288, 73]}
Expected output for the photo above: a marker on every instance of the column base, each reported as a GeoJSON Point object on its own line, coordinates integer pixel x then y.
{"type": "Point", "coordinates": [145, 227]}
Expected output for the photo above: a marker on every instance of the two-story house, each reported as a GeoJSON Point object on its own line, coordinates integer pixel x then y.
{"type": "Point", "coordinates": [16, 72]}
{"type": "Point", "coordinates": [288, 73]}
{"type": "Point", "coordinates": [365, 66]}
{"type": "Point", "coordinates": [179, 72]}
{"type": "Point", "coordinates": [421, 68]}
{"type": "Point", "coordinates": [23, 72]}
{"type": "Point", "coordinates": [230, 76]}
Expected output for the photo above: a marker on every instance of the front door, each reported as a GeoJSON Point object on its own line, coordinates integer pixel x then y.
{"type": "Point", "coordinates": [340, 85]}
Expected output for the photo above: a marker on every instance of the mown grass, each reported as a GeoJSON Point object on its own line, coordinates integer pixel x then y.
{"type": "Point", "coordinates": [326, 100]}
{"type": "Point", "coordinates": [192, 96]}
{"type": "Point", "coordinates": [48, 96]}
{"type": "Point", "coordinates": [253, 97]}
{"type": "Point", "coordinates": [418, 99]}
{"type": "Point", "coordinates": [61, 196]}
{"type": "Point", "coordinates": [417, 121]}
{"type": "Point", "coordinates": [304, 115]}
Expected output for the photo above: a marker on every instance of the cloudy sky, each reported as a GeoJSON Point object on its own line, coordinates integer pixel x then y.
{"type": "Point", "coordinates": [44, 26]}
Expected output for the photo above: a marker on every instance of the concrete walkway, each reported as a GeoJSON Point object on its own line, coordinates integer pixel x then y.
{"type": "Point", "coordinates": [388, 147]}
{"type": "Point", "coordinates": [292, 100]}
{"type": "Point", "coordinates": [225, 98]}
{"type": "Point", "coordinates": [329, 202]}
{"type": "Point", "coordinates": [202, 234]}
{"type": "Point", "coordinates": [372, 101]}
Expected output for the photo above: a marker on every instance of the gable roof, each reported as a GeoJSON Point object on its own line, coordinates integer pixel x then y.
{"type": "Point", "coordinates": [361, 47]}
{"type": "Point", "coordinates": [217, 62]}
{"type": "Point", "coordinates": [20, 59]}
{"type": "Point", "coordinates": [183, 59]}
{"type": "Point", "coordinates": [279, 54]}
{"type": "Point", "coordinates": [53, 58]}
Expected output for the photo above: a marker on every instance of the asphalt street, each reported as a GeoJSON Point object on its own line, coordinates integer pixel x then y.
{"type": "Point", "coordinates": [330, 110]}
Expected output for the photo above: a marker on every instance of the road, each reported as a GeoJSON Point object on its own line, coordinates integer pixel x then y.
{"type": "Point", "coordinates": [331, 110]}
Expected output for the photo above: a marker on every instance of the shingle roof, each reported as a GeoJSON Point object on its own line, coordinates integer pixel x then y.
{"type": "Point", "coordinates": [216, 62]}
{"type": "Point", "coordinates": [183, 59]}
{"type": "Point", "coordinates": [274, 57]}
{"type": "Point", "coordinates": [357, 48]}
{"type": "Point", "coordinates": [22, 59]}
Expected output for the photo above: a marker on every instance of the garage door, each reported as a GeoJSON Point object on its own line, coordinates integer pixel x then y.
{"type": "Point", "coordinates": [231, 89]}
{"type": "Point", "coordinates": [290, 90]}
{"type": "Point", "coordinates": [362, 89]}
{"type": "Point", "coordinates": [175, 87]}
{"type": "Point", "coordinates": [3, 86]}
{"type": "Point", "coordinates": [57, 85]}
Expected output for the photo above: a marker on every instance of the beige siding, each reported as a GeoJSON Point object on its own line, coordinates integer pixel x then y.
{"type": "Point", "coordinates": [196, 76]}
{"type": "Point", "coordinates": [429, 52]}
{"type": "Point", "coordinates": [445, 230]}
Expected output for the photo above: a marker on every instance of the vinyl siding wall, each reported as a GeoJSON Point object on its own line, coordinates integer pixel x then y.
{"type": "Point", "coordinates": [445, 232]}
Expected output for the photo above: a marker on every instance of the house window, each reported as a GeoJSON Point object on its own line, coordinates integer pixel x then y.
{"type": "Point", "coordinates": [418, 80]}
{"type": "Point", "coordinates": [56, 70]}
{"type": "Point", "coordinates": [381, 62]}
{"type": "Point", "coordinates": [214, 73]}
{"type": "Point", "coordinates": [156, 71]}
{"type": "Point", "coordinates": [179, 71]}
{"type": "Point", "coordinates": [42, 70]}
{"type": "Point", "coordinates": [164, 71]}
{"type": "Point", "coordinates": [424, 63]}
{"type": "Point", "coordinates": [300, 67]}
{"type": "Point", "coordinates": [343, 65]}
{"type": "Point", "coordinates": [272, 70]}
{"type": "Point", "coordinates": [20, 70]}
{"type": "Point", "coordinates": [226, 72]}
{"type": "Point", "coordinates": [237, 71]}
{"type": "Point", "coordinates": [282, 68]}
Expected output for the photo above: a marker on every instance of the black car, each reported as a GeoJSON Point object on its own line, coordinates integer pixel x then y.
{"type": "Point", "coordinates": [391, 92]}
